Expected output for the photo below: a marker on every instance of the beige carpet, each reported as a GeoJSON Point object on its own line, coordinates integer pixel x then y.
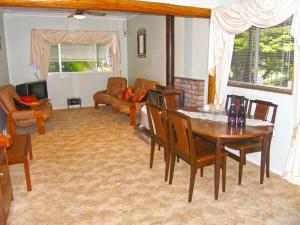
{"type": "Point", "coordinates": [89, 168]}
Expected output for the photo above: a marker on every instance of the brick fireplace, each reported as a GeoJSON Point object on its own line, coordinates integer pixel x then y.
{"type": "Point", "coordinates": [193, 90]}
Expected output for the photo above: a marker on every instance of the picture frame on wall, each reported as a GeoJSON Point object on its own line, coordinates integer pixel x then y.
{"type": "Point", "coordinates": [141, 43]}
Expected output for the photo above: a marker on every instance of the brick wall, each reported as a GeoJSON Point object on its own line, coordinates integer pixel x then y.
{"type": "Point", "coordinates": [193, 90]}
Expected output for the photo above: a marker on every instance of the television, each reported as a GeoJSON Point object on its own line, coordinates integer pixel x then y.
{"type": "Point", "coordinates": [36, 88]}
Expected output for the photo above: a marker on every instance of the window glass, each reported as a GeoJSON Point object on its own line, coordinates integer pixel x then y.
{"type": "Point", "coordinates": [80, 58]}
{"type": "Point", "coordinates": [77, 58]}
{"type": "Point", "coordinates": [264, 57]}
{"type": "Point", "coordinates": [53, 59]}
{"type": "Point", "coordinates": [104, 58]}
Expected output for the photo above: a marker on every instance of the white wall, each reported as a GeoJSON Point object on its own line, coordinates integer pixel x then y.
{"type": "Point", "coordinates": [283, 125]}
{"type": "Point", "coordinates": [153, 67]}
{"type": "Point", "coordinates": [4, 77]}
{"type": "Point", "coordinates": [191, 49]}
{"type": "Point", "coordinates": [18, 34]}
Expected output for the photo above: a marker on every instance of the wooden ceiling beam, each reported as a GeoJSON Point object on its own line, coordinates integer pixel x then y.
{"type": "Point", "coordinates": [113, 5]}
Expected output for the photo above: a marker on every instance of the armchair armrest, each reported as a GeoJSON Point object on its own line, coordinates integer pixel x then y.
{"type": "Point", "coordinates": [26, 114]}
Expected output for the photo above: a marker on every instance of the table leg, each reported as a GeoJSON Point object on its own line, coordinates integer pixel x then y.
{"type": "Point", "coordinates": [263, 158]}
{"type": "Point", "coordinates": [217, 167]}
{"type": "Point", "coordinates": [268, 156]}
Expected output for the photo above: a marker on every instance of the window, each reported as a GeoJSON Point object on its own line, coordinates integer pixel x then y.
{"type": "Point", "coordinates": [264, 57]}
{"type": "Point", "coordinates": [80, 58]}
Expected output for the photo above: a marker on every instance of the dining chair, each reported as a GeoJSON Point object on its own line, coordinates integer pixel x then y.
{"type": "Point", "coordinates": [237, 102]}
{"type": "Point", "coordinates": [196, 154]}
{"type": "Point", "coordinates": [261, 110]}
{"type": "Point", "coordinates": [170, 102]}
{"type": "Point", "coordinates": [158, 134]}
{"type": "Point", "coordinates": [20, 152]}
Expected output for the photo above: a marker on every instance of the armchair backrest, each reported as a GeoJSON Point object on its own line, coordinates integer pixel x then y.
{"type": "Point", "coordinates": [7, 95]}
{"type": "Point", "coordinates": [143, 84]}
{"type": "Point", "coordinates": [115, 85]}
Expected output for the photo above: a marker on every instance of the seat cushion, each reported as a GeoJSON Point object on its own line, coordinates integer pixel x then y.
{"type": "Point", "coordinates": [102, 98]}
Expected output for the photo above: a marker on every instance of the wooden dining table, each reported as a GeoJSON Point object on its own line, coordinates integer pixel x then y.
{"type": "Point", "coordinates": [220, 133]}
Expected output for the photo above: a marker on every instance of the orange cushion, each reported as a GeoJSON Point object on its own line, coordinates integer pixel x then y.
{"type": "Point", "coordinates": [127, 94]}
{"type": "Point", "coordinates": [141, 96]}
{"type": "Point", "coordinates": [29, 100]}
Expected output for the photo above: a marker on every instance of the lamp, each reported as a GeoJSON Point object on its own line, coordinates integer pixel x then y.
{"type": "Point", "coordinates": [79, 16]}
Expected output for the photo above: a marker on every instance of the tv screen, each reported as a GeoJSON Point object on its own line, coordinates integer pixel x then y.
{"type": "Point", "coordinates": [39, 89]}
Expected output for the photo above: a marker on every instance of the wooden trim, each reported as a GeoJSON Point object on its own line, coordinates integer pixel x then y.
{"type": "Point", "coordinates": [170, 49]}
{"type": "Point", "coordinates": [211, 89]}
{"type": "Point", "coordinates": [259, 87]}
{"type": "Point", "coordinates": [113, 5]}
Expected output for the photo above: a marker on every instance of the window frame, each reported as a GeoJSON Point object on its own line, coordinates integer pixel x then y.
{"type": "Point", "coordinates": [88, 72]}
{"type": "Point", "coordinates": [260, 87]}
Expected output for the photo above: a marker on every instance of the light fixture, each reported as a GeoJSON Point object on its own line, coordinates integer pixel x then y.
{"type": "Point", "coordinates": [79, 16]}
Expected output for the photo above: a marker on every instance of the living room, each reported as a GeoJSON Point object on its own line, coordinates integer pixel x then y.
{"type": "Point", "coordinates": [191, 44]}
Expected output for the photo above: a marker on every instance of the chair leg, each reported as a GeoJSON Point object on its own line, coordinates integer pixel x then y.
{"type": "Point", "coordinates": [27, 174]}
{"type": "Point", "coordinates": [173, 156]}
{"type": "Point", "coordinates": [96, 105]}
{"type": "Point", "coordinates": [268, 164]}
{"type": "Point", "coordinates": [192, 182]}
{"type": "Point", "coordinates": [241, 163]}
{"type": "Point", "coordinates": [201, 172]}
{"type": "Point", "coordinates": [30, 148]}
{"type": "Point", "coordinates": [152, 152]}
{"type": "Point", "coordinates": [167, 163]}
{"type": "Point", "coordinates": [165, 154]}
{"type": "Point", "coordinates": [177, 159]}
{"type": "Point", "coordinates": [224, 173]}
{"type": "Point", "coordinates": [245, 160]}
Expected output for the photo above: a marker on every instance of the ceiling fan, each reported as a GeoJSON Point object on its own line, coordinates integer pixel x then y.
{"type": "Point", "coordinates": [80, 14]}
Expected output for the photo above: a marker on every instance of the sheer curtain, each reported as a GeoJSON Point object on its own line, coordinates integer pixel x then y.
{"type": "Point", "coordinates": [226, 22]}
{"type": "Point", "coordinates": [41, 39]}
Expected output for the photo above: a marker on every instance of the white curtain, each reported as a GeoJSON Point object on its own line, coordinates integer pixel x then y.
{"type": "Point", "coordinates": [41, 39]}
{"type": "Point", "coordinates": [292, 168]}
{"type": "Point", "coordinates": [226, 22]}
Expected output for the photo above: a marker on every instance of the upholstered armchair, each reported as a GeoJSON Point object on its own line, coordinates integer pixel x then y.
{"type": "Point", "coordinates": [23, 118]}
{"type": "Point", "coordinates": [114, 87]}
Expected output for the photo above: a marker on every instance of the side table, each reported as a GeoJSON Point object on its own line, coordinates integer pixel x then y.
{"type": "Point", "coordinates": [74, 101]}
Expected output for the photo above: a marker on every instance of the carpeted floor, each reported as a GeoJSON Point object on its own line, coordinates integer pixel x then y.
{"type": "Point", "coordinates": [90, 168]}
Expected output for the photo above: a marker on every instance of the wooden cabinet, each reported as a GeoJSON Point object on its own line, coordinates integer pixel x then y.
{"type": "Point", "coordinates": [5, 187]}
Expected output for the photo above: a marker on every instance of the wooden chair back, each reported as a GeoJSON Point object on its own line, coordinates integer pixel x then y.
{"type": "Point", "coordinates": [170, 102]}
{"type": "Point", "coordinates": [181, 137]}
{"type": "Point", "coordinates": [262, 109]}
{"type": "Point", "coordinates": [157, 122]}
{"type": "Point", "coordinates": [237, 102]}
